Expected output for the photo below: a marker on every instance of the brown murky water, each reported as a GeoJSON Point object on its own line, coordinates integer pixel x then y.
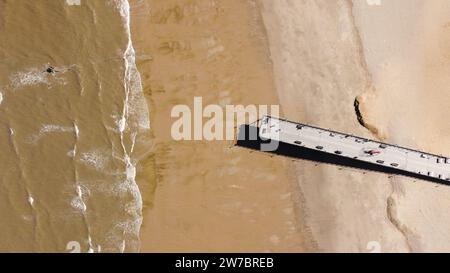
{"type": "Point", "coordinates": [71, 115]}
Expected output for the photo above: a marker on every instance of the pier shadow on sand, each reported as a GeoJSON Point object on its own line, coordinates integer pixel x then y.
{"type": "Point", "coordinates": [248, 137]}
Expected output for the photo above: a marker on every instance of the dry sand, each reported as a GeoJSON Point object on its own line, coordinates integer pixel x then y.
{"type": "Point", "coordinates": [397, 61]}
{"type": "Point", "coordinates": [407, 52]}
{"type": "Point", "coordinates": [319, 72]}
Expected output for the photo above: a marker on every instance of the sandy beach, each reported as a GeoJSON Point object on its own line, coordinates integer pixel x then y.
{"type": "Point", "coordinates": [320, 70]}
{"type": "Point", "coordinates": [314, 58]}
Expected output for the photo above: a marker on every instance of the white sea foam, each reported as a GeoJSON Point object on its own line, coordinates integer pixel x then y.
{"type": "Point", "coordinates": [95, 159]}
{"type": "Point", "coordinates": [91, 246]}
{"type": "Point", "coordinates": [76, 130]}
{"type": "Point", "coordinates": [82, 191]}
{"type": "Point", "coordinates": [1, 97]}
{"type": "Point", "coordinates": [134, 117]}
{"type": "Point", "coordinates": [50, 128]}
{"type": "Point", "coordinates": [135, 102]}
{"type": "Point", "coordinates": [47, 129]}
{"type": "Point", "coordinates": [30, 200]}
{"type": "Point", "coordinates": [121, 124]}
{"type": "Point", "coordinates": [78, 204]}
{"type": "Point", "coordinates": [29, 77]}
{"type": "Point", "coordinates": [133, 141]}
{"type": "Point", "coordinates": [71, 153]}
{"type": "Point", "coordinates": [79, 192]}
{"type": "Point", "coordinates": [39, 76]}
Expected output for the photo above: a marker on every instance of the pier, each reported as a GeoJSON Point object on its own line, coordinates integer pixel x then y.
{"type": "Point", "coordinates": [318, 144]}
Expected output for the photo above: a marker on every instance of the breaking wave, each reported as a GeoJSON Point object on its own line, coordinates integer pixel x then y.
{"type": "Point", "coordinates": [134, 119]}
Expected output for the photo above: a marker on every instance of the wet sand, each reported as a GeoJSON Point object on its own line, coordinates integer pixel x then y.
{"type": "Point", "coordinates": [210, 196]}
